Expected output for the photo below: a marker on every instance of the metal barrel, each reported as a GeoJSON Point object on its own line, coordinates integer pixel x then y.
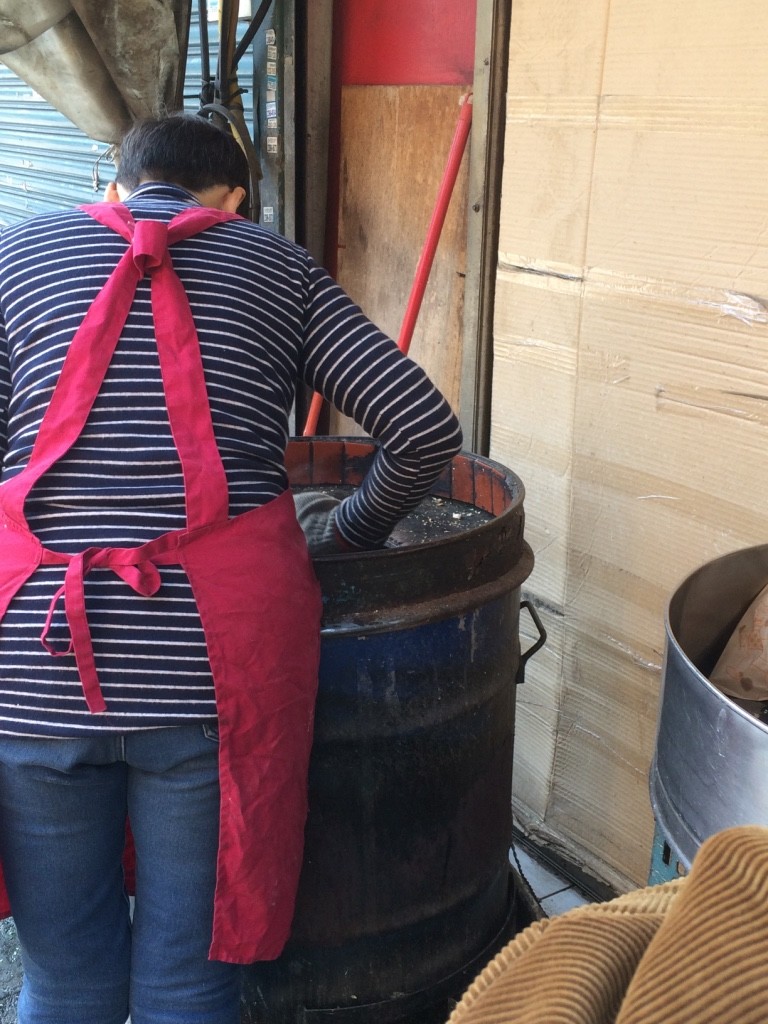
{"type": "Point", "coordinates": [711, 757]}
{"type": "Point", "coordinates": [406, 889]}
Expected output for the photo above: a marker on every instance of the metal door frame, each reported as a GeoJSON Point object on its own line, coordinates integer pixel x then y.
{"type": "Point", "coordinates": [483, 217]}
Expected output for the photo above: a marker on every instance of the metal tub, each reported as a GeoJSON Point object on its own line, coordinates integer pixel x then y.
{"type": "Point", "coordinates": [710, 769]}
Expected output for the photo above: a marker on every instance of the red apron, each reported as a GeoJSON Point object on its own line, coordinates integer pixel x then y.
{"type": "Point", "coordinates": [251, 576]}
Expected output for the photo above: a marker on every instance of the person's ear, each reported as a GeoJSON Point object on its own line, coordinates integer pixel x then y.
{"type": "Point", "coordinates": [232, 199]}
{"type": "Point", "coordinates": [111, 195]}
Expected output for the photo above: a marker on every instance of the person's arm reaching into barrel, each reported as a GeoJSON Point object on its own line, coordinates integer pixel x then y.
{"type": "Point", "coordinates": [357, 368]}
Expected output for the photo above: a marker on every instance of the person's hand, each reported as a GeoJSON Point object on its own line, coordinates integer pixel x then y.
{"type": "Point", "coordinates": [315, 512]}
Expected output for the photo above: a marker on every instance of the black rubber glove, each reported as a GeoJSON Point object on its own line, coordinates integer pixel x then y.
{"type": "Point", "coordinates": [315, 512]}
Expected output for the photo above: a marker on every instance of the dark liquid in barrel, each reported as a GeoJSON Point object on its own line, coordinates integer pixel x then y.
{"type": "Point", "coordinates": [432, 519]}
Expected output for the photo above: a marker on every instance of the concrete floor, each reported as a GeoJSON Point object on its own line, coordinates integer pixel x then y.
{"type": "Point", "coordinates": [555, 893]}
{"type": "Point", "coordinates": [10, 972]}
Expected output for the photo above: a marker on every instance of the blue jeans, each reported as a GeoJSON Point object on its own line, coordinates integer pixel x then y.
{"type": "Point", "coordinates": [63, 805]}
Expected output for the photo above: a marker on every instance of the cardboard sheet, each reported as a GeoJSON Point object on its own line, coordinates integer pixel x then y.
{"type": "Point", "coordinates": [630, 370]}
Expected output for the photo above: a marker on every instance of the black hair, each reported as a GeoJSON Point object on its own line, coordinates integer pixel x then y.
{"type": "Point", "coordinates": [182, 149]}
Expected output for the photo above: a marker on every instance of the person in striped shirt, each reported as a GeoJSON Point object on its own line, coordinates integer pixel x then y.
{"type": "Point", "coordinates": [268, 320]}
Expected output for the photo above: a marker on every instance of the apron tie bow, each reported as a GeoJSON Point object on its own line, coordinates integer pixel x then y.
{"type": "Point", "coordinates": [142, 576]}
{"type": "Point", "coordinates": [150, 245]}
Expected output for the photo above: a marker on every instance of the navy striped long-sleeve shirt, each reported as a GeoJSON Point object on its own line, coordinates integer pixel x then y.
{"type": "Point", "coordinates": [268, 318]}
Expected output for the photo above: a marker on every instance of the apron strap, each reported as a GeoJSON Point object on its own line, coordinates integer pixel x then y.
{"type": "Point", "coordinates": [82, 374]}
{"type": "Point", "coordinates": [92, 348]}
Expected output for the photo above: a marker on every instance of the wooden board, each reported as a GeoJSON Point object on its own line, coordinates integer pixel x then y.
{"type": "Point", "coordinates": [394, 145]}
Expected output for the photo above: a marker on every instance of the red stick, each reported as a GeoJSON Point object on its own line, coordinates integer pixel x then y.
{"type": "Point", "coordinates": [313, 415]}
{"type": "Point", "coordinates": [436, 224]}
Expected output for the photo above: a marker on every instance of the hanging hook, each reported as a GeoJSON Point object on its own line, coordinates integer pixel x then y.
{"type": "Point", "coordinates": [109, 153]}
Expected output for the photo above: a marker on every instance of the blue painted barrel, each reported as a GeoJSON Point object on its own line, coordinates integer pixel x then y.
{"type": "Point", "coordinates": [406, 888]}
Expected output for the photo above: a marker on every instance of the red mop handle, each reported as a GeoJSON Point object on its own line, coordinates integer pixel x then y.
{"type": "Point", "coordinates": [435, 228]}
{"type": "Point", "coordinates": [313, 415]}
{"type": "Point", "coordinates": [427, 257]}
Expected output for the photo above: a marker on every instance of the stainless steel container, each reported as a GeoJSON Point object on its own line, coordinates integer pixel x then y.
{"type": "Point", "coordinates": [710, 769]}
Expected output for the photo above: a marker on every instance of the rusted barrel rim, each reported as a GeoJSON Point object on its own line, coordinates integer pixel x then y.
{"type": "Point", "coordinates": [344, 461]}
{"type": "Point", "coordinates": [492, 557]}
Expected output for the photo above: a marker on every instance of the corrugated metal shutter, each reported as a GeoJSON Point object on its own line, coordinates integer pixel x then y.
{"type": "Point", "coordinates": [48, 164]}
{"type": "Point", "coordinates": [45, 162]}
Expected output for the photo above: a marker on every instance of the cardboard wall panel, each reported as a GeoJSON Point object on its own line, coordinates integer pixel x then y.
{"type": "Point", "coordinates": [599, 792]}
{"type": "Point", "coordinates": [713, 49]}
{"type": "Point", "coordinates": [681, 212]}
{"type": "Point", "coordinates": [557, 48]}
{"type": "Point", "coordinates": [544, 218]}
{"type": "Point", "coordinates": [533, 409]}
{"type": "Point", "coordinates": [631, 370]}
{"type": "Point", "coordinates": [538, 711]}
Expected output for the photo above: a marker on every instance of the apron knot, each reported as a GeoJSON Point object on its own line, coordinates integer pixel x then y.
{"type": "Point", "coordinates": [150, 245]}
{"type": "Point", "coordinates": [140, 573]}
